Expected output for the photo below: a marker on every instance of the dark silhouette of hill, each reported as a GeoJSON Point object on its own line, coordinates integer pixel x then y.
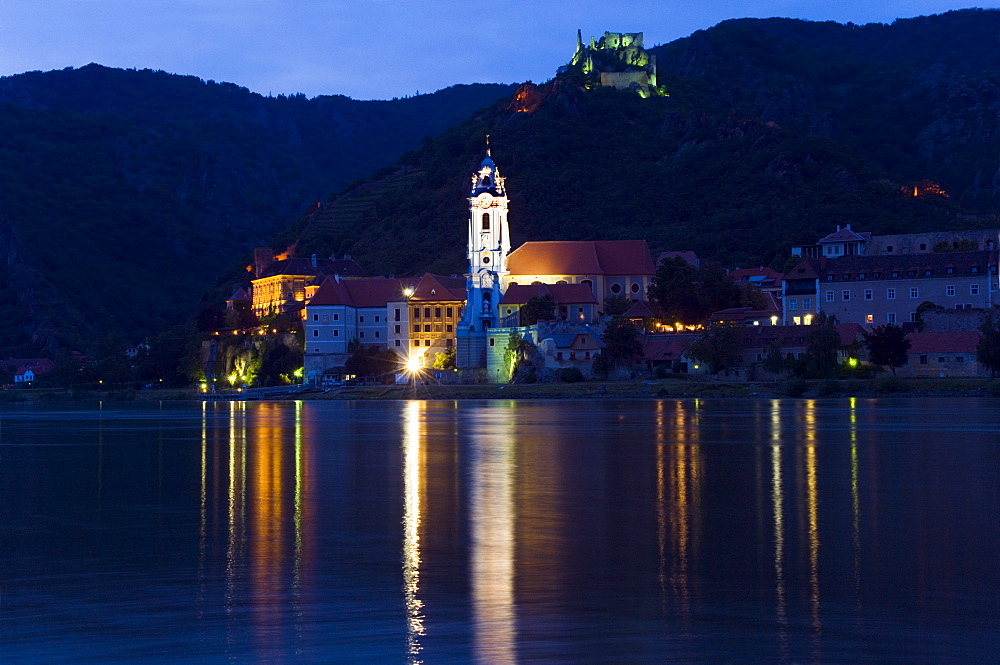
{"type": "Point", "coordinates": [774, 131]}
{"type": "Point", "coordinates": [123, 193]}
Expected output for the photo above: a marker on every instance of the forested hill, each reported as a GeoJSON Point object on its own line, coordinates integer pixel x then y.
{"type": "Point", "coordinates": [124, 193]}
{"type": "Point", "coordinates": [773, 132]}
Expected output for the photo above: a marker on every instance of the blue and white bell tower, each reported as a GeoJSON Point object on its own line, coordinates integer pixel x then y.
{"type": "Point", "coordinates": [487, 249]}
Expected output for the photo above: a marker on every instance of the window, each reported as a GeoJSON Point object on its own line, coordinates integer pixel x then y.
{"type": "Point", "coordinates": [447, 342]}
{"type": "Point", "coordinates": [868, 294]}
{"type": "Point", "coordinates": [923, 360]}
{"type": "Point", "coordinates": [492, 341]}
{"type": "Point", "coordinates": [437, 327]}
{"type": "Point", "coordinates": [315, 333]}
{"type": "Point", "coordinates": [416, 327]}
{"type": "Point", "coordinates": [829, 296]}
{"type": "Point", "coordinates": [973, 289]}
{"type": "Point", "coordinates": [796, 321]}
{"type": "Point", "coordinates": [890, 317]}
{"type": "Point", "coordinates": [888, 249]}
{"type": "Point", "coordinates": [923, 246]}
{"type": "Point", "coordinates": [793, 304]}
{"type": "Point", "coordinates": [559, 355]}
{"type": "Point", "coordinates": [572, 355]}
{"type": "Point", "coordinates": [807, 303]}
{"type": "Point", "coordinates": [845, 295]}
{"type": "Point", "coordinates": [861, 276]}
{"type": "Point", "coordinates": [616, 288]}
{"type": "Point", "coordinates": [427, 342]}
{"type": "Point", "coordinates": [449, 328]}
{"type": "Point", "coordinates": [437, 312]}
{"type": "Point", "coordinates": [377, 335]}
{"type": "Point", "coordinates": [486, 221]}
{"type": "Point", "coordinates": [397, 342]}
{"type": "Point", "coordinates": [951, 271]}
{"type": "Point", "coordinates": [942, 359]}
{"type": "Point", "coordinates": [895, 274]}
{"type": "Point", "coordinates": [913, 317]}
{"type": "Point", "coordinates": [427, 312]}
{"type": "Point", "coordinates": [416, 312]}
{"type": "Point", "coordinates": [586, 355]}
{"type": "Point", "coordinates": [361, 319]}
{"type": "Point", "coordinates": [869, 318]}
{"type": "Point", "coordinates": [949, 290]}
{"type": "Point", "coordinates": [315, 317]}
{"type": "Point", "coordinates": [829, 278]}
{"type": "Point", "coordinates": [448, 312]}
{"type": "Point", "coordinates": [427, 327]}
{"type": "Point", "coordinates": [396, 329]}
{"type": "Point", "coordinates": [336, 317]}
{"type": "Point", "coordinates": [914, 292]}
{"type": "Point", "coordinates": [847, 276]}
{"type": "Point", "coordinates": [974, 269]}
{"type": "Point", "coordinates": [416, 342]}
{"type": "Point", "coordinates": [890, 294]}
{"type": "Point", "coordinates": [397, 314]}
{"type": "Point", "coordinates": [635, 289]}
{"type": "Point", "coordinates": [336, 333]}
{"type": "Point", "coordinates": [928, 273]}
{"type": "Point", "coordinates": [876, 275]}
{"type": "Point", "coordinates": [377, 318]}
{"type": "Point", "coordinates": [960, 359]}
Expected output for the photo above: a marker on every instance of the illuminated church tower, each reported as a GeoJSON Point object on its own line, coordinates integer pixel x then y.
{"type": "Point", "coordinates": [487, 249]}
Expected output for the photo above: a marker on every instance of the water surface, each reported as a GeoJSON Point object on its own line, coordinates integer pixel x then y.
{"type": "Point", "coordinates": [680, 531]}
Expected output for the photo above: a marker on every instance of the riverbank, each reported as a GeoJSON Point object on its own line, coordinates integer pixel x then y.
{"type": "Point", "coordinates": [663, 388]}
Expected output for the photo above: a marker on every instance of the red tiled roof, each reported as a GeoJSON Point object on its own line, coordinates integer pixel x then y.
{"type": "Point", "coordinates": [436, 288]}
{"type": "Point", "coordinates": [372, 292]}
{"type": "Point", "coordinates": [304, 267]}
{"type": "Point", "coordinates": [564, 294]}
{"type": "Point", "coordinates": [22, 365]}
{"type": "Point", "coordinates": [665, 347]}
{"type": "Point", "coordinates": [639, 310]}
{"type": "Point", "coordinates": [747, 274]}
{"type": "Point", "coordinates": [586, 257]}
{"type": "Point", "coordinates": [944, 342]}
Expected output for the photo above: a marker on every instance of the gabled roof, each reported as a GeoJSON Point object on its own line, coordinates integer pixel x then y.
{"type": "Point", "coordinates": [371, 292]}
{"type": "Point", "coordinates": [804, 269]}
{"type": "Point", "coordinates": [755, 275]}
{"type": "Point", "coordinates": [936, 262]}
{"type": "Point", "coordinates": [437, 288]}
{"type": "Point", "coordinates": [964, 341]}
{"type": "Point", "coordinates": [758, 337]}
{"type": "Point", "coordinates": [666, 347]}
{"type": "Point", "coordinates": [576, 341]}
{"type": "Point", "coordinates": [22, 365]}
{"type": "Point", "coordinates": [842, 235]}
{"type": "Point", "coordinates": [563, 294]}
{"type": "Point", "coordinates": [585, 257]}
{"type": "Point", "coordinates": [638, 310]}
{"type": "Point", "coordinates": [239, 295]}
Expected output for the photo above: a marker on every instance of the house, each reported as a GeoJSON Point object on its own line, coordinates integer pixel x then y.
{"type": "Point", "coordinates": [573, 302]}
{"type": "Point", "coordinates": [873, 290]}
{"type": "Point", "coordinates": [942, 354]}
{"type": "Point", "coordinates": [793, 340]}
{"type": "Point", "coordinates": [667, 351]}
{"type": "Point", "coordinates": [747, 316]}
{"type": "Point", "coordinates": [569, 349]}
{"type": "Point", "coordinates": [344, 310]}
{"type": "Point", "coordinates": [26, 370]}
{"type": "Point", "coordinates": [281, 286]}
{"type": "Point", "coordinates": [764, 278]}
{"type": "Point", "coordinates": [607, 267]}
{"type": "Point", "coordinates": [424, 321]}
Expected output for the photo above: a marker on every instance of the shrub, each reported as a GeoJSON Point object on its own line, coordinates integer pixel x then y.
{"type": "Point", "coordinates": [993, 387]}
{"type": "Point", "coordinates": [570, 375]}
{"type": "Point", "coordinates": [829, 387]}
{"type": "Point", "coordinates": [795, 387]}
{"type": "Point", "coordinates": [889, 384]}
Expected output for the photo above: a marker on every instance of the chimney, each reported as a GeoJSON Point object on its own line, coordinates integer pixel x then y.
{"type": "Point", "coordinates": [262, 258]}
{"type": "Point", "coordinates": [838, 227]}
{"type": "Point", "coordinates": [313, 260]}
{"type": "Point", "coordinates": [347, 257]}
{"type": "Point", "coordinates": [848, 227]}
{"type": "Point", "coordinates": [336, 277]}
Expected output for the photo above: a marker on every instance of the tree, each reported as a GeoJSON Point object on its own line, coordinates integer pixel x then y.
{"type": "Point", "coordinates": [621, 341]}
{"type": "Point", "coordinates": [673, 292]}
{"type": "Point", "coordinates": [616, 305]}
{"type": "Point", "coordinates": [822, 344]}
{"type": "Point", "coordinates": [887, 346]}
{"type": "Point", "coordinates": [988, 349]}
{"type": "Point", "coordinates": [774, 358]}
{"type": "Point", "coordinates": [719, 347]}
{"type": "Point", "coordinates": [445, 360]}
{"type": "Point", "coordinates": [538, 308]}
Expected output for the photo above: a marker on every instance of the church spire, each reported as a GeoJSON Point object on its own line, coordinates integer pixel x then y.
{"type": "Point", "coordinates": [487, 179]}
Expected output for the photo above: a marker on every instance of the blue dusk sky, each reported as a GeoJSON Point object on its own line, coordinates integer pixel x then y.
{"type": "Point", "coordinates": [369, 49]}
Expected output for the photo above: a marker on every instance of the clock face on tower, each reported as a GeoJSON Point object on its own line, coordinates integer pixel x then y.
{"type": "Point", "coordinates": [484, 239]}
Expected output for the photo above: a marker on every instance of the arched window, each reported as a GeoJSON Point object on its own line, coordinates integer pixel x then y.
{"type": "Point", "coordinates": [486, 221]}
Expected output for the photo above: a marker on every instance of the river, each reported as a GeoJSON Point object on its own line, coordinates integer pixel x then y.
{"type": "Point", "coordinates": [648, 531]}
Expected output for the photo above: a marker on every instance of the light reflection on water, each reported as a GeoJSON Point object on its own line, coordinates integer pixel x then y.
{"type": "Point", "coordinates": [689, 531]}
